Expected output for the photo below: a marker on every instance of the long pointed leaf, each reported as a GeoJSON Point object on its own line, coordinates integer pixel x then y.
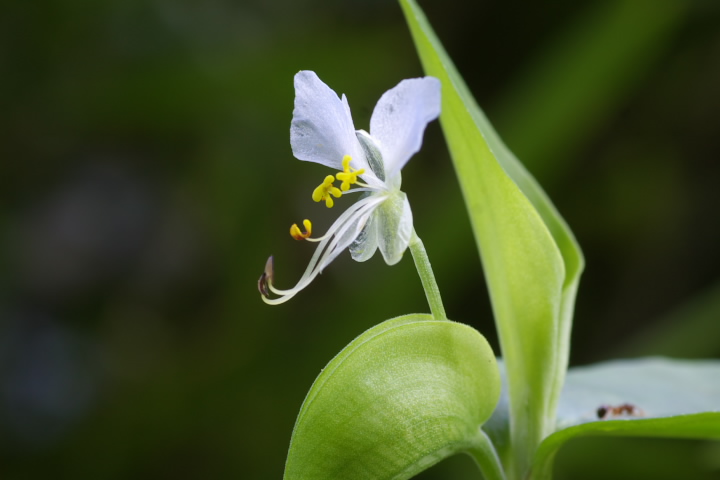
{"type": "Point", "coordinates": [531, 260]}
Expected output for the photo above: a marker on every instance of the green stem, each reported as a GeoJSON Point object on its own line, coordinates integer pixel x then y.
{"type": "Point", "coordinates": [422, 263]}
{"type": "Point", "coordinates": [484, 454]}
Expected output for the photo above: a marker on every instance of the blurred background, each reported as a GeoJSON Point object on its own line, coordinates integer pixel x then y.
{"type": "Point", "coordinates": [146, 175]}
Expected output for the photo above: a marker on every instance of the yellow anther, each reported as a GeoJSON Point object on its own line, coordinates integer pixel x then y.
{"type": "Point", "coordinates": [326, 190]}
{"type": "Point", "coordinates": [349, 175]}
{"type": "Point", "coordinates": [299, 235]}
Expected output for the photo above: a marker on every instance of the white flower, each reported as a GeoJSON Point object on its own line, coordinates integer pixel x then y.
{"type": "Point", "coordinates": [322, 131]}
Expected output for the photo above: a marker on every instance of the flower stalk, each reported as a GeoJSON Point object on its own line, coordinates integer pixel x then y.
{"type": "Point", "coordinates": [422, 263]}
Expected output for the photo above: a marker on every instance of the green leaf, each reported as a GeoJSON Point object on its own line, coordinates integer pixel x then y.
{"type": "Point", "coordinates": [532, 262]}
{"type": "Point", "coordinates": [401, 397]}
{"type": "Point", "coordinates": [672, 398]}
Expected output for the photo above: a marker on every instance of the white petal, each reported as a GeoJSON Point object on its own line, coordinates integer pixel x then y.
{"type": "Point", "coordinates": [400, 118]}
{"type": "Point", "coordinates": [322, 129]}
{"type": "Point", "coordinates": [389, 229]}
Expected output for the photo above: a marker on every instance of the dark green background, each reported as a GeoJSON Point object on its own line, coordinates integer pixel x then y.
{"type": "Point", "coordinates": [146, 174]}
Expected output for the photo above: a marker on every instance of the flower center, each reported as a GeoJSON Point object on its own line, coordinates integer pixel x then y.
{"type": "Point", "coordinates": [349, 175]}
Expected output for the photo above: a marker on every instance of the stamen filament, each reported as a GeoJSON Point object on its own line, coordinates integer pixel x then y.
{"type": "Point", "coordinates": [297, 234]}
{"type": "Point", "coordinates": [317, 261]}
{"type": "Point", "coordinates": [368, 189]}
{"type": "Point", "coordinates": [332, 244]}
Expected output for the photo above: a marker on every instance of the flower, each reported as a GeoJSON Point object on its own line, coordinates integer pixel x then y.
{"type": "Point", "coordinates": [322, 131]}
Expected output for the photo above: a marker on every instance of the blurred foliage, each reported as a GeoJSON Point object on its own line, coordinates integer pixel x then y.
{"type": "Point", "coordinates": [146, 174]}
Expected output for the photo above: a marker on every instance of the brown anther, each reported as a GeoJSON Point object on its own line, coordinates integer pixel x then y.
{"type": "Point", "coordinates": [266, 278]}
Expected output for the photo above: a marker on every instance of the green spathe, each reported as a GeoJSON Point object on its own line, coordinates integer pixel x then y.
{"type": "Point", "coordinates": [401, 397]}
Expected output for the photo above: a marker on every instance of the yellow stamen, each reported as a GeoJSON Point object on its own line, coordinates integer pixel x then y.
{"type": "Point", "coordinates": [299, 235]}
{"type": "Point", "coordinates": [349, 175]}
{"type": "Point", "coordinates": [326, 190]}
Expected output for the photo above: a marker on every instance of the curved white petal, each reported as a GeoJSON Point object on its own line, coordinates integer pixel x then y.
{"type": "Point", "coordinates": [322, 129]}
{"type": "Point", "coordinates": [399, 119]}
{"type": "Point", "coordinates": [389, 229]}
